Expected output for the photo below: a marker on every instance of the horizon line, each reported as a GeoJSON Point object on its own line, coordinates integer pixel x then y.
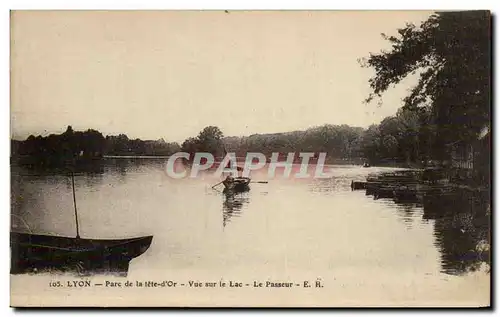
{"type": "Point", "coordinates": [20, 138]}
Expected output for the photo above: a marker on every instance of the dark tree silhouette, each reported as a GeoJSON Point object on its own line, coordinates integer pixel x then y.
{"type": "Point", "coordinates": [208, 140]}
{"type": "Point", "coordinates": [73, 147]}
{"type": "Point", "coordinates": [451, 53]}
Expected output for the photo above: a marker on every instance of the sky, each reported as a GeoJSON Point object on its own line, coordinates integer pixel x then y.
{"type": "Point", "coordinates": [168, 74]}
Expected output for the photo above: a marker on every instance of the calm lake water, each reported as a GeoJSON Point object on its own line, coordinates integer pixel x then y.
{"type": "Point", "coordinates": [287, 228]}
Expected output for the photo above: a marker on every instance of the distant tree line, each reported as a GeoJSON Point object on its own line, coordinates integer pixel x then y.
{"type": "Point", "coordinates": [77, 146]}
{"type": "Point", "coordinates": [338, 141]}
{"type": "Point", "coordinates": [403, 139]}
{"type": "Point", "coordinates": [121, 145]}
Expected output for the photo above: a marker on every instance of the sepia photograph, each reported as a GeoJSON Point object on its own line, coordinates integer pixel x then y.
{"type": "Point", "coordinates": [232, 158]}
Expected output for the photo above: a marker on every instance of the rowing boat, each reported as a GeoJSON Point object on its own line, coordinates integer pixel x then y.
{"type": "Point", "coordinates": [237, 184]}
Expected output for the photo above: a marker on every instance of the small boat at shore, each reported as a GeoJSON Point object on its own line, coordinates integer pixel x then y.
{"type": "Point", "coordinates": [32, 253]}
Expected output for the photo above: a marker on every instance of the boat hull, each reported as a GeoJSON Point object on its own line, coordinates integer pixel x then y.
{"type": "Point", "coordinates": [237, 189]}
{"type": "Point", "coordinates": [238, 185]}
{"type": "Point", "coordinates": [34, 253]}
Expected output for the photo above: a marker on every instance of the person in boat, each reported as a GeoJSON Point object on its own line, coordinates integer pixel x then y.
{"type": "Point", "coordinates": [229, 181]}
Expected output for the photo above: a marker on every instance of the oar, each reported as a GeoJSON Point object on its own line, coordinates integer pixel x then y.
{"type": "Point", "coordinates": [217, 184]}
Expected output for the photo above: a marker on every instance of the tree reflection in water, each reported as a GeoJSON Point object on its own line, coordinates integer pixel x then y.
{"type": "Point", "coordinates": [461, 218]}
{"type": "Point", "coordinates": [461, 228]}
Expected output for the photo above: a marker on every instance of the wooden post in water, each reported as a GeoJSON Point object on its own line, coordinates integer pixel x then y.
{"type": "Point", "coordinates": [74, 203]}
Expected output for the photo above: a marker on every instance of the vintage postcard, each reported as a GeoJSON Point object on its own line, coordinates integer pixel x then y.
{"type": "Point", "coordinates": [250, 158]}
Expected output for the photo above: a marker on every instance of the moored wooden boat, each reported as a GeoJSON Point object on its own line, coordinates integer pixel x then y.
{"type": "Point", "coordinates": [384, 192]}
{"type": "Point", "coordinates": [358, 185]}
{"type": "Point", "coordinates": [405, 193]}
{"type": "Point", "coordinates": [32, 253]}
{"type": "Point", "coordinates": [37, 252]}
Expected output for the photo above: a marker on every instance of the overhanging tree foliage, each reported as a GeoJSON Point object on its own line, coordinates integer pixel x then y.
{"type": "Point", "coordinates": [450, 52]}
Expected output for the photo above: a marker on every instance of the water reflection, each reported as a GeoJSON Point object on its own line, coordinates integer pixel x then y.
{"type": "Point", "coordinates": [462, 230]}
{"type": "Point", "coordinates": [461, 217]}
{"type": "Point", "coordinates": [232, 205]}
{"type": "Point", "coordinates": [340, 182]}
{"type": "Point", "coordinates": [129, 195]}
{"type": "Point", "coordinates": [20, 201]}
{"type": "Point", "coordinates": [409, 211]}
{"type": "Point", "coordinates": [461, 220]}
